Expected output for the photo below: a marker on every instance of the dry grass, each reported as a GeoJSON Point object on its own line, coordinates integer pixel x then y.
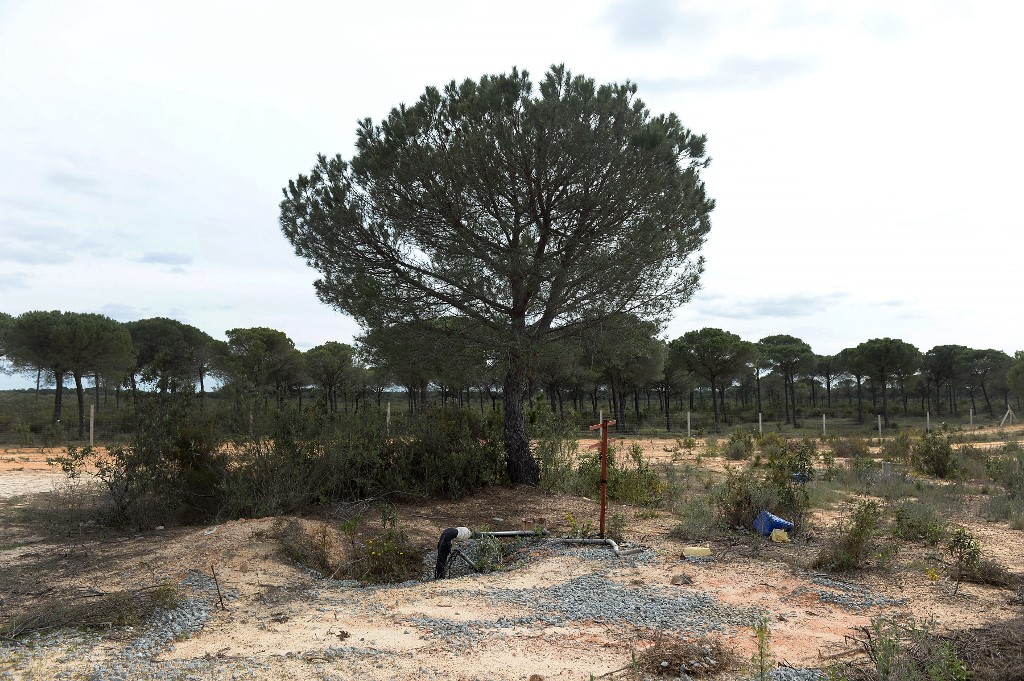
{"type": "Point", "coordinates": [993, 652]}
{"type": "Point", "coordinates": [91, 611]}
{"type": "Point", "coordinates": [668, 656]}
{"type": "Point", "coordinates": [312, 545]}
{"type": "Point", "coordinates": [993, 573]}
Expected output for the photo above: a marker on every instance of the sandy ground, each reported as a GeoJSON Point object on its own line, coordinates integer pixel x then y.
{"type": "Point", "coordinates": [280, 612]}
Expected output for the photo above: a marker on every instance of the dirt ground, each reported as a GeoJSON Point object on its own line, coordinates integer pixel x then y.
{"type": "Point", "coordinates": [280, 614]}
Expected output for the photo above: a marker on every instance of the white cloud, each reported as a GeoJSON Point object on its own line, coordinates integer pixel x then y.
{"type": "Point", "coordinates": [867, 151]}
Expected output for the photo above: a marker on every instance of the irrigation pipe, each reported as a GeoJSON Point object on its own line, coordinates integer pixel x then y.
{"type": "Point", "coordinates": [453, 534]}
{"type": "Point", "coordinates": [615, 547]}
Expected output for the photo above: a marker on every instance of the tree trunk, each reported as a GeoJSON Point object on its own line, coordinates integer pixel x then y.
{"type": "Point", "coordinates": [714, 403]}
{"type": "Point", "coordinates": [58, 398]}
{"type": "Point", "coordinates": [522, 468]}
{"type": "Point", "coordinates": [785, 395]}
{"type": "Point", "coordinates": [885, 402]}
{"type": "Point", "coordinates": [80, 393]}
{"type": "Point", "coordinates": [792, 391]}
{"type": "Point", "coordinates": [668, 407]}
{"type": "Point", "coordinates": [860, 401]}
{"type": "Point", "coordinates": [988, 404]}
{"type": "Point", "coordinates": [96, 380]}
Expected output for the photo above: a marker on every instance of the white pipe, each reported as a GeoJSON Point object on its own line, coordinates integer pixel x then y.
{"type": "Point", "coordinates": [615, 547]}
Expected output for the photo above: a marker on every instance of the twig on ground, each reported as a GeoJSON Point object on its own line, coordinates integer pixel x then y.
{"type": "Point", "coordinates": [216, 583]}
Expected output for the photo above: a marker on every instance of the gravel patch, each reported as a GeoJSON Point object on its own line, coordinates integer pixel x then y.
{"type": "Point", "coordinates": [597, 599]}
{"type": "Point", "coordinates": [796, 674]}
{"type": "Point", "coordinates": [853, 597]}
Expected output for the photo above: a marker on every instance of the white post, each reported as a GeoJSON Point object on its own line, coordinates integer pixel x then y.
{"type": "Point", "coordinates": [823, 425]}
{"type": "Point", "coordinates": [879, 429]}
{"type": "Point", "coordinates": [687, 424]}
{"type": "Point", "coordinates": [760, 429]}
{"type": "Point", "coordinates": [972, 417]}
{"type": "Point", "coordinates": [387, 419]}
{"type": "Point", "coordinates": [927, 421]}
{"type": "Point", "coordinates": [92, 422]}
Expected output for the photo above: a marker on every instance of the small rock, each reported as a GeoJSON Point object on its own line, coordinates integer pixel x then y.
{"type": "Point", "coordinates": [682, 579]}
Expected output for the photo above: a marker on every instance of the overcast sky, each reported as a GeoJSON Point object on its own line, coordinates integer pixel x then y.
{"type": "Point", "coordinates": [866, 155]}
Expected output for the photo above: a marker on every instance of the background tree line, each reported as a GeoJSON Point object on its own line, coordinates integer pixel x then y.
{"type": "Point", "coordinates": [621, 366]}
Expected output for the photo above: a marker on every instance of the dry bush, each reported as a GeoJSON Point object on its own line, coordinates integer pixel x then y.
{"type": "Point", "coordinates": [672, 656]}
{"type": "Point", "coordinates": [388, 558]}
{"type": "Point", "coordinates": [991, 572]}
{"type": "Point", "coordinates": [993, 652]}
{"type": "Point", "coordinates": [850, 543]}
{"type": "Point", "coordinates": [312, 545]}
{"type": "Point", "coordinates": [92, 611]}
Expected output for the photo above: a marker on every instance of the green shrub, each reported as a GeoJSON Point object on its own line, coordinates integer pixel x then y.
{"type": "Point", "coordinates": [898, 447]}
{"type": "Point", "coordinates": [908, 650]}
{"type": "Point", "coordinates": [616, 528]}
{"type": "Point", "coordinates": [314, 458]}
{"type": "Point", "coordinates": [1002, 507]}
{"type": "Point", "coordinates": [917, 521]}
{"type": "Point", "coordinates": [850, 447]}
{"type": "Point", "coordinates": [488, 553]}
{"type": "Point", "coordinates": [933, 454]}
{"type": "Point", "coordinates": [851, 542]}
{"type": "Point", "coordinates": [697, 519]}
{"type": "Point", "coordinates": [454, 451]}
{"type": "Point", "coordinates": [1007, 469]}
{"type": "Point", "coordinates": [966, 552]}
{"type": "Point", "coordinates": [740, 445]}
{"type": "Point", "coordinates": [796, 459]}
{"type": "Point", "coordinates": [743, 495]}
{"type": "Point", "coordinates": [388, 558]}
{"type": "Point", "coordinates": [556, 449]}
{"type": "Point", "coordinates": [634, 483]}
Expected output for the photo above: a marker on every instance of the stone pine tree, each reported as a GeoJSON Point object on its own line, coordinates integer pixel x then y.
{"type": "Point", "coordinates": [5, 322]}
{"type": "Point", "coordinates": [884, 359]}
{"type": "Point", "coordinates": [330, 368]}
{"type": "Point", "coordinates": [1015, 375]}
{"type": "Point", "coordinates": [528, 210]}
{"type": "Point", "coordinates": [37, 340]}
{"type": "Point", "coordinates": [715, 355]}
{"type": "Point", "coordinates": [788, 356]}
{"type": "Point", "coordinates": [68, 343]}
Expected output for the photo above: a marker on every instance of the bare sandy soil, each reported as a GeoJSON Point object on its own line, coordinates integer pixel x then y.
{"type": "Point", "coordinates": [281, 621]}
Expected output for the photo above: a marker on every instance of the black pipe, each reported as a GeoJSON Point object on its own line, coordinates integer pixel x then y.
{"type": "Point", "coordinates": [444, 549]}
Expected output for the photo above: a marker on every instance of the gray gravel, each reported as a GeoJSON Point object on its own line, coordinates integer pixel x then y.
{"type": "Point", "coordinates": [852, 597]}
{"type": "Point", "coordinates": [600, 597]}
{"type": "Point", "coordinates": [796, 674]}
{"type": "Point", "coordinates": [595, 598]}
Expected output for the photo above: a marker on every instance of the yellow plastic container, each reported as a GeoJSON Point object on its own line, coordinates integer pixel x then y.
{"type": "Point", "coordinates": [780, 535]}
{"type": "Point", "coordinates": [696, 551]}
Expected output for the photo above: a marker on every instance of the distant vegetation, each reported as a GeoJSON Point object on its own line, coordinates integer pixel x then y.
{"type": "Point", "coordinates": [622, 369]}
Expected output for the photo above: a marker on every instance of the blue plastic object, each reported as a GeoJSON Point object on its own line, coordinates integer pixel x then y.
{"type": "Point", "coordinates": [765, 522]}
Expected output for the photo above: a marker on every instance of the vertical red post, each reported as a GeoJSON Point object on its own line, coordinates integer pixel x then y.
{"type": "Point", "coordinates": [604, 471]}
{"type": "Point", "coordinates": [604, 465]}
